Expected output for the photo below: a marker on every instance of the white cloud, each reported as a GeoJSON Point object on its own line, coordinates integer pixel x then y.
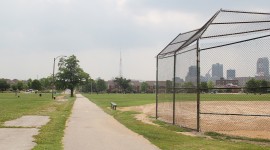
{"type": "Point", "coordinates": [168, 19]}
{"type": "Point", "coordinates": [95, 31]}
{"type": "Point", "coordinates": [121, 4]}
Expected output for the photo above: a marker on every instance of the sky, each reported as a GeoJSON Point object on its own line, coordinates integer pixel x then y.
{"type": "Point", "coordinates": [34, 32]}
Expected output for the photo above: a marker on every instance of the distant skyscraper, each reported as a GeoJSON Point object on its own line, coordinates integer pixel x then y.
{"type": "Point", "coordinates": [192, 71]}
{"type": "Point", "coordinates": [230, 74]}
{"type": "Point", "coordinates": [263, 66]}
{"type": "Point", "coordinates": [217, 70]}
{"type": "Point", "coordinates": [192, 74]}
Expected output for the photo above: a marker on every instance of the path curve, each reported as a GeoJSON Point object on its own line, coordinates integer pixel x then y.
{"type": "Point", "coordinates": [91, 128]}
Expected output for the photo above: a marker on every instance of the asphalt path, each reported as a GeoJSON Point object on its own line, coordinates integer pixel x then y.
{"type": "Point", "coordinates": [91, 128]}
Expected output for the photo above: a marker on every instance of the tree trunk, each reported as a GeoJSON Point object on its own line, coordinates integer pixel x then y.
{"type": "Point", "coordinates": [71, 92]}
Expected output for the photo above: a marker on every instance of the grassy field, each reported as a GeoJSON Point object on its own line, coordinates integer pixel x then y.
{"type": "Point", "coordinates": [50, 137]}
{"type": "Point", "coordinates": [165, 136]}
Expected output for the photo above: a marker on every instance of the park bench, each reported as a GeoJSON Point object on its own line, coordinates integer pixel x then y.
{"type": "Point", "coordinates": [113, 105]}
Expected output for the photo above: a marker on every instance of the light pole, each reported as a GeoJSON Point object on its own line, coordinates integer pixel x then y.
{"type": "Point", "coordinates": [53, 86]}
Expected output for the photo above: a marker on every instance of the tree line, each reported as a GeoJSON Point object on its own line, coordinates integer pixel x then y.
{"type": "Point", "coordinates": [41, 84]}
{"type": "Point", "coordinates": [70, 76]}
{"type": "Point", "coordinates": [251, 86]}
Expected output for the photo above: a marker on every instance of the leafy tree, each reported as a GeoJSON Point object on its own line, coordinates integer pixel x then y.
{"type": "Point", "coordinates": [210, 84]}
{"type": "Point", "coordinates": [20, 85]}
{"type": "Point", "coordinates": [190, 88]}
{"type": "Point", "coordinates": [101, 85]}
{"type": "Point", "coordinates": [29, 83]}
{"type": "Point", "coordinates": [263, 86]}
{"type": "Point", "coordinates": [169, 86]}
{"type": "Point", "coordinates": [204, 87]}
{"type": "Point", "coordinates": [144, 87]}
{"type": "Point", "coordinates": [123, 84]}
{"type": "Point", "coordinates": [36, 85]}
{"type": "Point", "coordinates": [46, 83]}
{"type": "Point", "coordinates": [4, 85]}
{"type": "Point", "coordinates": [14, 87]}
{"type": "Point", "coordinates": [70, 74]}
{"type": "Point", "coordinates": [252, 85]}
{"type": "Point", "coordinates": [89, 86]}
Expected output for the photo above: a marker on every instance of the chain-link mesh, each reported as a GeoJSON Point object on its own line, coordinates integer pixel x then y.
{"type": "Point", "coordinates": [186, 85]}
{"type": "Point", "coordinates": [165, 88]}
{"type": "Point", "coordinates": [229, 57]}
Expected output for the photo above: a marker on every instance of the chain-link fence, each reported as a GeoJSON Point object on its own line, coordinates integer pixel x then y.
{"type": "Point", "coordinates": [217, 78]}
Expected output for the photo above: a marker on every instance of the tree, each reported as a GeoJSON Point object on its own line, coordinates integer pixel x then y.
{"type": "Point", "coordinates": [210, 85]}
{"type": "Point", "coordinates": [36, 84]}
{"type": "Point", "coordinates": [20, 85]}
{"type": "Point", "coordinates": [14, 87]}
{"type": "Point", "coordinates": [29, 83]}
{"type": "Point", "coordinates": [89, 86]}
{"type": "Point", "coordinates": [46, 83]}
{"type": "Point", "coordinates": [122, 83]}
{"type": "Point", "coordinates": [169, 86]}
{"type": "Point", "coordinates": [70, 74]}
{"type": "Point", "coordinates": [252, 85]}
{"type": "Point", "coordinates": [4, 85]}
{"type": "Point", "coordinates": [101, 85]}
{"type": "Point", "coordinates": [190, 88]}
{"type": "Point", "coordinates": [204, 87]}
{"type": "Point", "coordinates": [263, 86]}
{"type": "Point", "coordinates": [144, 87]}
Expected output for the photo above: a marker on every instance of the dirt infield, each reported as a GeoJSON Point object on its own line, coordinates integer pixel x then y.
{"type": "Point", "coordinates": [247, 126]}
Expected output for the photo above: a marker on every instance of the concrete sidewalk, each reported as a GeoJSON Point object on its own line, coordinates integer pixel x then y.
{"type": "Point", "coordinates": [90, 128]}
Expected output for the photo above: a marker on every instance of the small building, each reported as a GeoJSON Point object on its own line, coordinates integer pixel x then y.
{"type": "Point", "coordinates": [223, 82]}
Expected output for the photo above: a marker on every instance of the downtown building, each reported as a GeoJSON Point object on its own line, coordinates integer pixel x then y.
{"type": "Point", "coordinates": [217, 71]}
{"type": "Point", "coordinates": [230, 74]}
{"type": "Point", "coordinates": [263, 66]}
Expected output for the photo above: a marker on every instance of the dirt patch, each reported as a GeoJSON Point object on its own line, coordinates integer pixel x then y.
{"type": "Point", "coordinates": [145, 119]}
{"type": "Point", "coordinates": [28, 121]}
{"type": "Point", "coordinates": [246, 126]}
{"type": "Point", "coordinates": [145, 110]}
{"type": "Point", "coordinates": [61, 98]}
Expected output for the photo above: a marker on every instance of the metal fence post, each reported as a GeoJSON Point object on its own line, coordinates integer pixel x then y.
{"type": "Point", "coordinates": [157, 88]}
{"type": "Point", "coordinates": [174, 74]}
{"type": "Point", "coordinates": [198, 85]}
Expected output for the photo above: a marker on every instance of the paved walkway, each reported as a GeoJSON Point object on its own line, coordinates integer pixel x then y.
{"type": "Point", "coordinates": [90, 128]}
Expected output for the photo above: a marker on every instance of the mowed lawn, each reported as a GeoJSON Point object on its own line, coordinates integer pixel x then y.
{"type": "Point", "coordinates": [50, 137]}
{"type": "Point", "coordinates": [165, 136]}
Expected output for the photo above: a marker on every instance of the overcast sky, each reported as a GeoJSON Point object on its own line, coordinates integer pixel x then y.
{"type": "Point", "coordinates": [34, 32]}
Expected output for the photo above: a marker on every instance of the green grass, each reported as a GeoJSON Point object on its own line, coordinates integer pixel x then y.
{"type": "Point", "coordinates": [12, 107]}
{"type": "Point", "coordinates": [50, 136]}
{"type": "Point", "coordinates": [165, 136]}
{"type": "Point", "coordinates": [122, 100]}
{"type": "Point", "coordinates": [224, 136]}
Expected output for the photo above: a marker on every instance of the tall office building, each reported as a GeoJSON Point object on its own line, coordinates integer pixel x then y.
{"type": "Point", "coordinates": [230, 74]}
{"type": "Point", "coordinates": [192, 74]}
{"type": "Point", "coordinates": [263, 66]}
{"type": "Point", "coordinates": [217, 70]}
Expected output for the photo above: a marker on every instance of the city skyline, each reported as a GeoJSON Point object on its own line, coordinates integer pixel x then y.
{"type": "Point", "coordinates": [262, 66]}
